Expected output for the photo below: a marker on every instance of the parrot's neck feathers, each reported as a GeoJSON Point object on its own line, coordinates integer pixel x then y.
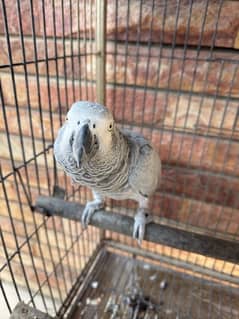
{"type": "Point", "coordinates": [115, 145]}
{"type": "Point", "coordinates": [112, 156]}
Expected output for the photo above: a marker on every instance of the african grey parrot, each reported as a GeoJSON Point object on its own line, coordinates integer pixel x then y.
{"type": "Point", "coordinates": [112, 162]}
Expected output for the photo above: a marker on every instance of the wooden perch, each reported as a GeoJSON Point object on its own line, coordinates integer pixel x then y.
{"type": "Point", "coordinates": [165, 235]}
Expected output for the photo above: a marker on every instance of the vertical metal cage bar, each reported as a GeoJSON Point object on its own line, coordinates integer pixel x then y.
{"type": "Point", "coordinates": [91, 39]}
{"type": "Point", "coordinates": [9, 265]}
{"type": "Point", "coordinates": [100, 50]}
{"type": "Point", "coordinates": [116, 87]}
{"type": "Point", "coordinates": [78, 48]}
{"type": "Point", "coordinates": [5, 296]}
{"type": "Point", "coordinates": [27, 92]}
{"type": "Point", "coordinates": [100, 38]}
{"type": "Point", "coordinates": [16, 102]}
{"type": "Point", "coordinates": [83, 17]}
{"type": "Point", "coordinates": [39, 93]}
{"type": "Point", "coordinates": [126, 56]}
{"type": "Point", "coordinates": [16, 240]}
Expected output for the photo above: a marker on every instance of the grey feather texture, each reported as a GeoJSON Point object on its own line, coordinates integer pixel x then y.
{"type": "Point", "coordinates": [113, 163]}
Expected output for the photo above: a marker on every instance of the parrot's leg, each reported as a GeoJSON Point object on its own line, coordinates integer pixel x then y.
{"type": "Point", "coordinates": [91, 208]}
{"type": "Point", "coordinates": [141, 219]}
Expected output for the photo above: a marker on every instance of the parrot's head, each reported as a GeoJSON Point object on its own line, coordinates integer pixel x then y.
{"type": "Point", "coordinates": [89, 128]}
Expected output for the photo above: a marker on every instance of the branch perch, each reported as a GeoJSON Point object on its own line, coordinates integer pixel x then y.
{"type": "Point", "coordinates": [161, 234]}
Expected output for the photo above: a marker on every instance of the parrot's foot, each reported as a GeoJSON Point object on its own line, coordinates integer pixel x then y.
{"type": "Point", "coordinates": [90, 209]}
{"type": "Point", "coordinates": [140, 220]}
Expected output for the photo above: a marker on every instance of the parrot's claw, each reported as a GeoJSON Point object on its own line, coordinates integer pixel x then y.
{"type": "Point", "coordinates": [140, 220]}
{"type": "Point", "coordinates": [90, 209]}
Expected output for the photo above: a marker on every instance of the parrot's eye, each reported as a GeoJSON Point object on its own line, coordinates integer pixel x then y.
{"type": "Point", "coordinates": [94, 125]}
{"type": "Point", "coordinates": [66, 118]}
{"type": "Point", "coordinates": [78, 123]}
{"type": "Point", "coordinates": [110, 127]}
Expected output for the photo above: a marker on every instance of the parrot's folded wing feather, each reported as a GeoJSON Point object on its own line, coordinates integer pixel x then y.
{"type": "Point", "coordinates": [145, 165]}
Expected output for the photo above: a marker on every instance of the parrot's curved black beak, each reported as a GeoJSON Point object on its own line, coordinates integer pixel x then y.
{"type": "Point", "coordinates": [81, 142]}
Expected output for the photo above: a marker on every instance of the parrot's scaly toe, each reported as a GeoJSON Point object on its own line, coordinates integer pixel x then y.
{"type": "Point", "coordinates": [140, 220]}
{"type": "Point", "coordinates": [90, 209]}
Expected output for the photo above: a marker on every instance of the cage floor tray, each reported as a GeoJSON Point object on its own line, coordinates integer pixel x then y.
{"type": "Point", "coordinates": [128, 287]}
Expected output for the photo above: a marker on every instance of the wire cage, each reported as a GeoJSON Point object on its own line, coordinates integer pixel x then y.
{"type": "Point", "coordinates": [167, 69]}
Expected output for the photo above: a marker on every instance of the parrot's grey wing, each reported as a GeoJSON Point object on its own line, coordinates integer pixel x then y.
{"type": "Point", "coordinates": [145, 165]}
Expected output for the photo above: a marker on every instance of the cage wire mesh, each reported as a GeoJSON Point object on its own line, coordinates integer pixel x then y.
{"type": "Point", "coordinates": [171, 74]}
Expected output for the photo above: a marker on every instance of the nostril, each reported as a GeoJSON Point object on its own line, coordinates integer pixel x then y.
{"type": "Point", "coordinates": [95, 140]}
{"type": "Point", "coordinates": [71, 140]}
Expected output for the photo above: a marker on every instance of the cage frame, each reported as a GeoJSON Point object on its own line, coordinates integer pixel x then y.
{"type": "Point", "coordinates": [101, 6]}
